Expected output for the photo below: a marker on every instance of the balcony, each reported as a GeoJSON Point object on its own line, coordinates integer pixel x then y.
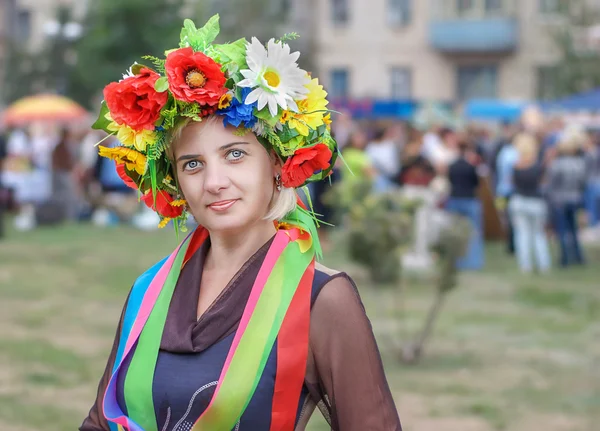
{"type": "Point", "coordinates": [475, 27]}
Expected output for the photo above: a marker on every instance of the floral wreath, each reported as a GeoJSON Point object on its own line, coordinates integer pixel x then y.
{"type": "Point", "coordinates": [250, 86]}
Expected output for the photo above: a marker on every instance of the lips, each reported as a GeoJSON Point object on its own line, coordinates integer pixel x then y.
{"type": "Point", "coordinates": [222, 205]}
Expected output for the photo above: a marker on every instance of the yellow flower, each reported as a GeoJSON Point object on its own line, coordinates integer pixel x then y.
{"type": "Point", "coordinates": [165, 221]}
{"type": "Point", "coordinates": [311, 110]}
{"type": "Point", "coordinates": [133, 160]}
{"type": "Point", "coordinates": [327, 121]}
{"type": "Point", "coordinates": [225, 100]}
{"type": "Point", "coordinates": [130, 137]}
{"type": "Point", "coordinates": [285, 116]}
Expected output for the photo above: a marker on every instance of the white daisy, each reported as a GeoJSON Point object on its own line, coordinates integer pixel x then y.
{"type": "Point", "coordinates": [275, 76]}
{"type": "Point", "coordinates": [129, 73]}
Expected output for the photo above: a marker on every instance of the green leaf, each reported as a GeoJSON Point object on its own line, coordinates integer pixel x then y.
{"type": "Point", "coordinates": [199, 39]}
{"type": "Point", "coordinates": [162, 84]}
{"type": "Point", "coordinates": [210, 31]}
{"type": "Point", "coordinates": [235, 52]}
{"type": "Point", "coordinates": [287, 134]}
{"type": "Point", "coordinates": [238, 93]}
{"type": "Point", "coordinates": [159, 64]}
{"type": "Point", "coordinates": [288, 36]}
{"type": "Point", "coordinates": [102, 122]}
{"type": "Point", "coordinates": [187, 33]}
{"type": "Point", "coordinates": [265, 115]}
{"type": "Point", "coordinates": [137, 68]}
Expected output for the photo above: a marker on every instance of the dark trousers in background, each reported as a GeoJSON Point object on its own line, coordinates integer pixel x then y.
{"type": "Point", "coordinates": [510, 230]}
{"type": "Point", "coordinates": [473, 210]}
{"type": "Point", "coordinates": [565, 225]}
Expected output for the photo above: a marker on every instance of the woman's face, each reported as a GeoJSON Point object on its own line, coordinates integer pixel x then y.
{"type": "Point", "coordinates": [227, 180]}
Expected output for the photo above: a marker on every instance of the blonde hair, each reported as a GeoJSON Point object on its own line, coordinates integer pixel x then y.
{"type": "Point", "coordinates": [282, 203]}
{"type": "Point", "coordinates": [571, 140]}
{"type": "Point", "coordinates": [527, 146]}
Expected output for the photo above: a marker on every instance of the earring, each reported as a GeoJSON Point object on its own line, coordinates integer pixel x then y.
{"type": "Point", "coordinates": [278, 182]}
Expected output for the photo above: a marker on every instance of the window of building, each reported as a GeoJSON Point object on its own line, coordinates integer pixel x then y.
{"type": "Point", "coordinates": [23, 27]}
{"type": "Point", "coordinates": [494, 5]}
{"type": "Point", "coordinates": [339, 83]}
{"type": "Point", "coordinates": [465, 6]}
{"type": "Point", "coordinates": [399, 12]}
{"type": "Point", "coordinates": [477, 82]}
{"type": "Point", "coordinates": [339, 11]}
{"type": "Point", "coordinates": [401, 83]}
{"type": "Point", "coordinates": [546, 82]}
{"type": "Point", "coordinates": [549, 6]}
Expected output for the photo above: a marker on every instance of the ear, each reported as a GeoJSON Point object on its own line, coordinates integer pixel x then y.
{"type": "Point", "coordinates": [276, 162]}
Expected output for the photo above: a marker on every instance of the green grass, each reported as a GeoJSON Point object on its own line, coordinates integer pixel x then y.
{"type": "Point", "coordinates": [509, 351]}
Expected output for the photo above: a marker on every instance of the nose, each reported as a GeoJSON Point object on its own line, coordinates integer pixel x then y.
{"type": "Point", "coordinates": [215, 179]}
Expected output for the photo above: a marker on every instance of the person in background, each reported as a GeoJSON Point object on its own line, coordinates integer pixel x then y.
{"type": "Point", "coordinates": [567, 179]}
{"type": "Point", "coordinates": [383, 153]}
{"type": "Point", "coordinates": [464, 181]}
{"type": "Point", "coordinates": [505, 162]}
{"type": "Point", "coordinates": [416, 169]}
{"type": "Point", "coordinates": [528, 208]}
{"type": "Point", "coordinates": [550, 137]}
{"type": "Point", "coordinates": [506, 135]}
{"type": "Point", "coordinates": [117, 202]}
{"type": "Point", "coordinates": [592, 195]}
{"type": "Point", "coordinates": [446, 154]}
{"type": "Point", "coordinates": [64, 187]}
{"type": "Point", "coordinates": [360, 168]}
{"type": "Point", "coordinates": [4, 194]}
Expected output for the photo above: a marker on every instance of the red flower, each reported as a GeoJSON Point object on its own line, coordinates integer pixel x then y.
{"type": "Point", "coordinates": [129, 182]}
{"type": "Point", "coordinates": [134, 101]}
{"type": "Point", "coordinates": [195, 77]}
{"type": "Point", "coordinates": [304, 163]}
{"type": "Point", "coordinates": [163, 204]}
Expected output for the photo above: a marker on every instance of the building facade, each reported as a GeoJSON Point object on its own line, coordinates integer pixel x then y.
{"type": "Point", "coordinates": [26, 24]}
{"type": "Point", "coordinates": [450, 50]}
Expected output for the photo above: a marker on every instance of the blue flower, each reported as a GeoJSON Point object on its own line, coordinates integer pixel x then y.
{"type": "Point", "coordinates": [238, 112]}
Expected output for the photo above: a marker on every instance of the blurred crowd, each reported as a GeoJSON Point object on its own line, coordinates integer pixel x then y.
{"type": "Point", "coordinates": [539, 176]}
{"type": "Point", "coordinates": [53, 175]}
{"type": "Point", "coordinates": [542, 177]}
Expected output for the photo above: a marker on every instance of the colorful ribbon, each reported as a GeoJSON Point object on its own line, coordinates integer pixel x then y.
{"type": "Point", "coordinates": [278, 308]}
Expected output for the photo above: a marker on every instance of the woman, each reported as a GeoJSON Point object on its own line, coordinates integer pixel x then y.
{"type": "Point", "coordinates": [528, 208]}
{"type": "Point", "coordinates": [464, 182]}
{"type": "Point", "coordinates": [416, 169]}
{"type": "Point", "coordinates": [64, 189]}
{"type": "Point", "coordinates": [567, 179]}
{"type": "Point", "coordinates": [238, 328]}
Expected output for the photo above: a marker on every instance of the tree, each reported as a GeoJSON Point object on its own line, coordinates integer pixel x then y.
{"type": "Point", "coordinates": [118, 33]}
{"type": "Point", "coordinates": [580, 60]}
{"type": "Point", "coordinates": [45, 70]}
{"type": "Point", "coordinates": [263, 19]}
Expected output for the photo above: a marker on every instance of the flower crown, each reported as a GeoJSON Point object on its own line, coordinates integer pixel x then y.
{"type": "Point", "coordinates": [251, 87]}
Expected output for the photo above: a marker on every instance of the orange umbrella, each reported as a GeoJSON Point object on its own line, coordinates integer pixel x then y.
{"type": "Point", "coordinates": [42, 107]}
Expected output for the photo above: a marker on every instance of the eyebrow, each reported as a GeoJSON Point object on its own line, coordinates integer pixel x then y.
{"type": "Point", "coordinates": [223, 148]}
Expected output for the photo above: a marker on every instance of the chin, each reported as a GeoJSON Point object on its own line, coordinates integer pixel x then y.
{"type": "Point", "coordinates": [234, 221]}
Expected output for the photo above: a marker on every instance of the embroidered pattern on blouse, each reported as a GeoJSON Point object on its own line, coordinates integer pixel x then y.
{"type": "Point", "coordinates": [185, 425]}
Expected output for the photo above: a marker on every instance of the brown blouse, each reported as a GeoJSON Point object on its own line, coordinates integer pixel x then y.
{"type": "Point", "coordinates": [344, 374]}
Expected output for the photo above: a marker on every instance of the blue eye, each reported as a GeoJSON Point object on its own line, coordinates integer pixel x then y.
{"type": "Point", "coordinates": [234, 155]}
{"type": "Point", "coordinates": [191, 165]}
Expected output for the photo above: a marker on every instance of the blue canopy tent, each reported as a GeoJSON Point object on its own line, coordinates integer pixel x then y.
{"type": "Point", "coordinates": [494, 110]}
{"type": "Point", "coordinates": [377, 109]}
{"type": "Point", "coordinates": [587, 101]}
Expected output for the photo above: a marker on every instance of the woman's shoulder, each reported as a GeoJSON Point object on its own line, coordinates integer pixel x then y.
{"type": "Point", "coordinates": [325, 276]}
